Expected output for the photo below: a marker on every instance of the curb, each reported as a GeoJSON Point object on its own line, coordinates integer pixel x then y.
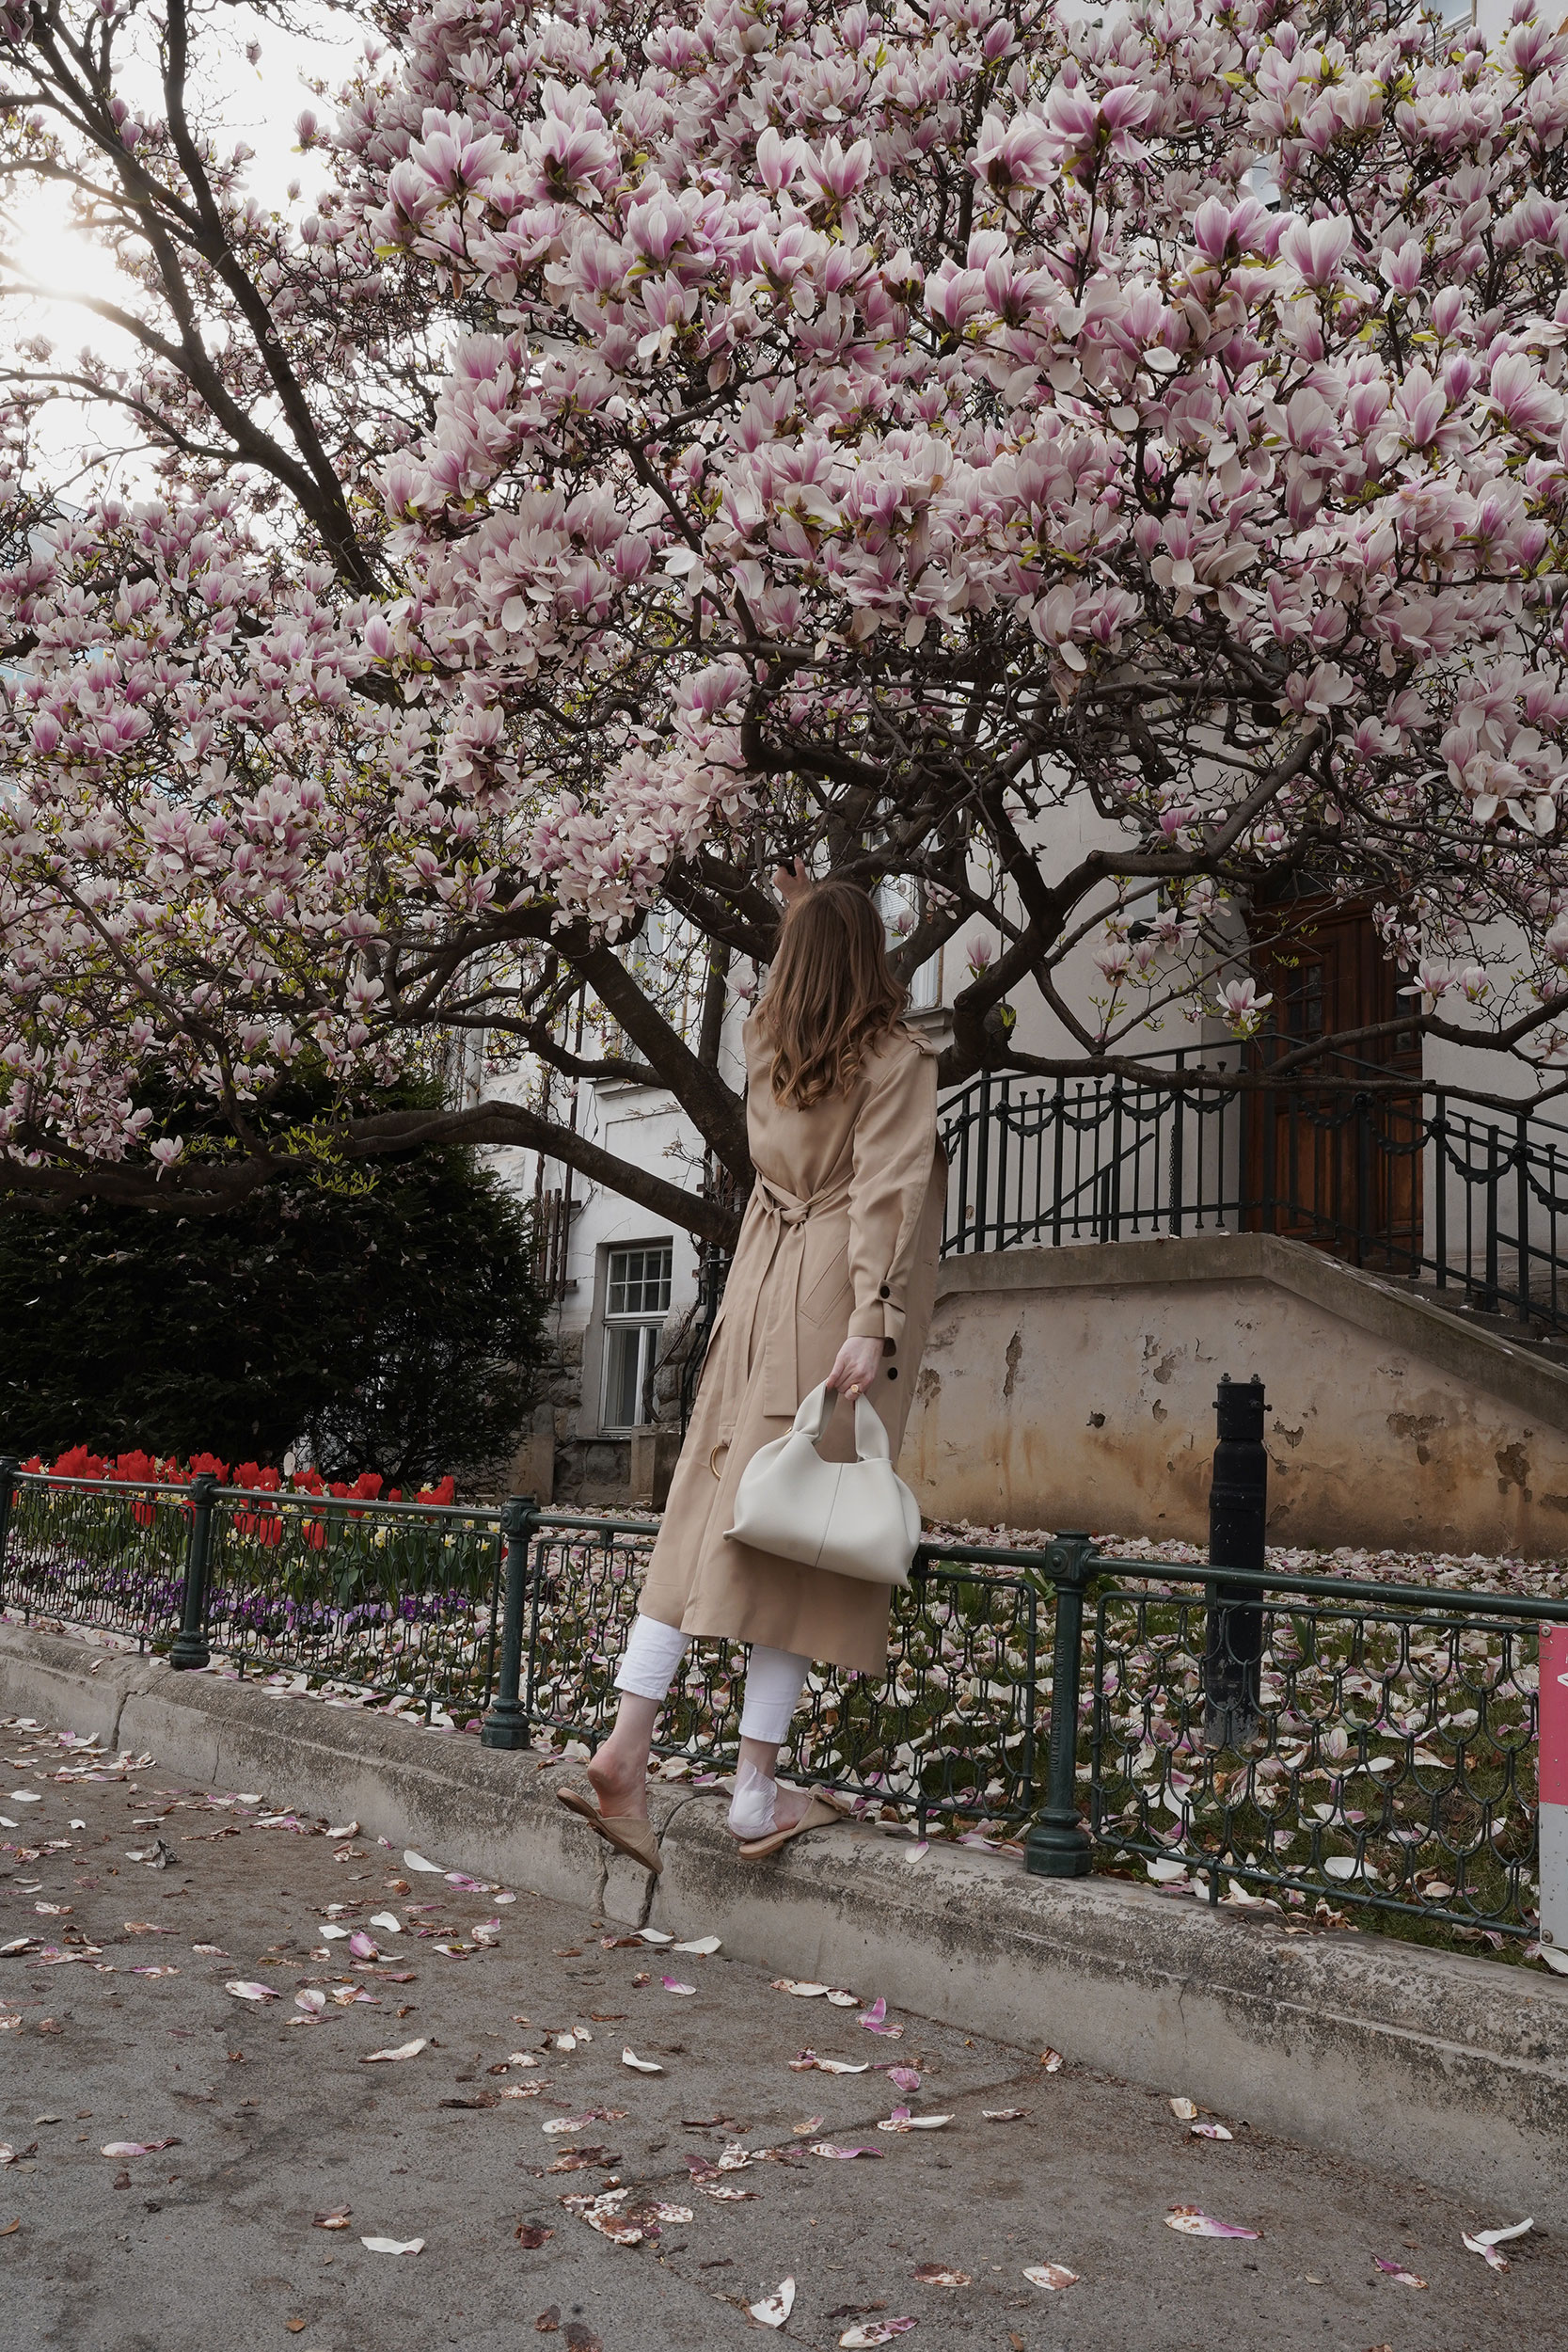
{"type": "Point", "coordinates": [1452, 2069]}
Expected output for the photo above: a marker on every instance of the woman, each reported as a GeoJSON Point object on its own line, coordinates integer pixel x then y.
{"type": "Point", "coordinates": [833, 1278]}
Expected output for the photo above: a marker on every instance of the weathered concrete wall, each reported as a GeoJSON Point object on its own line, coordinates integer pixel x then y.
{"type": "Point", "coordinates": [1075, 1387]}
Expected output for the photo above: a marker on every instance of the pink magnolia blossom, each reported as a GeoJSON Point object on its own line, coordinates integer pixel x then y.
{"type": "Point", "coordinates": [646, 443]}
{"type": "Point", "coordinates": [1242, 1006]}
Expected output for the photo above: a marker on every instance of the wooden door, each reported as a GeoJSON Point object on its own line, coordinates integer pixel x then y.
{"type": "Point", "coordinates": [1337, 1165]}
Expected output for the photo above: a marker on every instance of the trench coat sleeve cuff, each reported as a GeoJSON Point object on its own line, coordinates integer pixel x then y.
{"type": "Point", "coordinates": [880, 1320]}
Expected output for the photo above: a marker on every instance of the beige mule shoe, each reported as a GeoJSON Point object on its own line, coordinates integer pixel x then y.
{"type": "Point", "coordinates": [626, 1832]}
{"type": "Point", "coordinates": [824, 1809]}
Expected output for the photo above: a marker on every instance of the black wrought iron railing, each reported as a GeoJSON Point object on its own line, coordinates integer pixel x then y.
{"type": "Point", "coordinates": [1384, 1760]}
{"type": "Point", "coordinates": [1412, 1182]}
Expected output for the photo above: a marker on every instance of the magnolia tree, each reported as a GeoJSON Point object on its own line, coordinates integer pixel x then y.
{"type": "Point", "coordinates": [677, 436]}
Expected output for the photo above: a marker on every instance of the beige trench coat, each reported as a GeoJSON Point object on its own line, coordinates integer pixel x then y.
{"type": "Point", "coordinates": [840, 1236]}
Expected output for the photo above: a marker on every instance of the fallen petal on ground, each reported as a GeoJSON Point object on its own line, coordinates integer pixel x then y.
{"type": "Point", "coordinates": [1398, 2272]}
{"type": "Point", "coordinates": [1486, 2242]}
{"type": "Point", "coordinates": [404, 2050]}
{"type": "Point", "coordinates": [394, 2244]}
{"type": "Point", "coordinates": [1192, 2222]}
{"type": "Point", "coordinates": [775, 2309]}
{"type": "Point", "coordinates": [1056, 2275]}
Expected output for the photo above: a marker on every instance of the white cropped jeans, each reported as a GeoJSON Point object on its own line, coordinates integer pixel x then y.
{"type": "Point", "coordinates": [774, 1677]}
{"type": "Point", "coordinates": [774, 1681]}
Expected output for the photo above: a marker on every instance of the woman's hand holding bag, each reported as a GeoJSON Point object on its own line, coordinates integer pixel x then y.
{"type": "Point", "coordinates": [851, 1518]}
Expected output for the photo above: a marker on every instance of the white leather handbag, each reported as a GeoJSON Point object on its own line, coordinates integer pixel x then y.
{"type": "Point", "coordinates": [853, 1518]}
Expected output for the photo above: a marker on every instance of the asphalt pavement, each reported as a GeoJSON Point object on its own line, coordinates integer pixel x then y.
{"type": "Point", "coordinates": [203, 1978]}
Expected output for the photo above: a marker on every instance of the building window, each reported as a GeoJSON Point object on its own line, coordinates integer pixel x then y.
{"type": "Point", "coordinates": [636, 1300]}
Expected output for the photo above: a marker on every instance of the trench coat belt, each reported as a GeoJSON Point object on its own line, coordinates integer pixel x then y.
{"type": "Point", "coordinates": [785, 1215]}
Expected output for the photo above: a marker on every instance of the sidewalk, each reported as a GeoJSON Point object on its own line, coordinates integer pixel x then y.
{"type": "Point", "coordinates": [190, 2089]}
{"type": "Point", "coordinates": [1450, 2069]}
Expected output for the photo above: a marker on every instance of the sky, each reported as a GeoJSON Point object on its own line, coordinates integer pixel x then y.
{"type": "Point", "coordinates": [259, 105]}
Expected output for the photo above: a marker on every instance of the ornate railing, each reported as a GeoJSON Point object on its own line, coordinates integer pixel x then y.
{"type": "Point", "coordinates": [1375, 1748]}
{"type": "Point", "coordinates": [389, 1596]}
{"type": "Point", "coordinates": [1412, 1182]}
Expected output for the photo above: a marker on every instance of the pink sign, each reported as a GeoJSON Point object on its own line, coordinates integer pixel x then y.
{"type": "Point", "coordinates": [1554, 1714]}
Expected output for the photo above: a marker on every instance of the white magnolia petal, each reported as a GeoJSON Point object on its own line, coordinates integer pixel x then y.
{"type": "Point", "coordinates": [775, 2309]}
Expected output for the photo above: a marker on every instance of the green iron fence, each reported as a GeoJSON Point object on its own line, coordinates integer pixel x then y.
{"type": "Point", "coordinates": [951, 1727]}
{"type": "Point", "coordinates": [1389, 1761]}
{"type": "Point", "coordinates": [1309, 1742]}
{"type": "Point", "coordinates": [392, 1598]}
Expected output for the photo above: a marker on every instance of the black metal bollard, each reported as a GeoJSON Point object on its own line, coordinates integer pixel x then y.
{"type": "Point", "coordinates": [1238, 1515]}
{"type": "Point", "coordinates": [506, 1726]}
{"type": "Point", "coordinates": [190, 1648]}
{"type": "Point", "coordinates": [1058, 1845]}
{"type": "Point", "coordinates": [9, 1467]}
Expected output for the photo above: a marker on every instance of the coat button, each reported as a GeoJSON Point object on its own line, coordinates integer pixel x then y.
{"type": "Point", "coordinates": [885, 1292]}
{"type": "Point", "coordinates": [893, 1372]}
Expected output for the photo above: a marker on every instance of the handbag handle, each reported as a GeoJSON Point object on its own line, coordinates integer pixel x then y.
{"type": "Point", "coordinates": [816, 1410]}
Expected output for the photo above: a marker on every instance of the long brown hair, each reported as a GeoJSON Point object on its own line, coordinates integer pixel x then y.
{"type": "Point", "coordinates": [830, 994]}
